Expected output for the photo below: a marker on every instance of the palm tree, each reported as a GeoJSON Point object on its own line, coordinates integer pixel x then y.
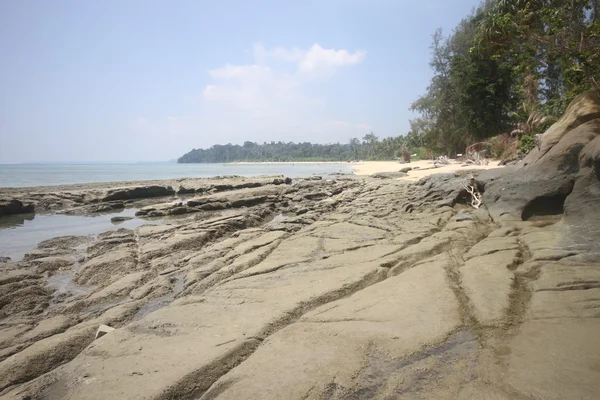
{"type": "Point", "coordinates": [371, 140]}
{"type": "Point", "coordinates": [355, 148]}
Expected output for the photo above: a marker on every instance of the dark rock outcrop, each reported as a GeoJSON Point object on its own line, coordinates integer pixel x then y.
{"type": "Point", "coordinates": [8, 207]}
{"type": "Point", "coordinates": [562, 176]}
{"type": "Point", "coordinates": [138, 193]}
{"type": "Point", "coordinates": [444, 189]}
{"type": "Point", "coordinates": [184, 190]}
{"type": "Point", "coordinates": [119, 218]}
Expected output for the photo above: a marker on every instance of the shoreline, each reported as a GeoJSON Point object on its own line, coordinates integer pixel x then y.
{"type": "Point", "coordinates": [419, 169]}
{"type": "Point", "coordinates": [255, 245]}
{"type": "Point", "coordinates": [271, 247]}
{"type": "Point", "coordinates": [422, 169]}
{"type": "Point", "coordinates": [286, 162]}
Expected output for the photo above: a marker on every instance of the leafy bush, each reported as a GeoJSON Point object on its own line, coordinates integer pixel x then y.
{"type": "Point", "coordinates": [527, 144]}
{"type": "Point", "coordinates": [421, 152]}
{"type": "Point", "coordinates": [501, 146]}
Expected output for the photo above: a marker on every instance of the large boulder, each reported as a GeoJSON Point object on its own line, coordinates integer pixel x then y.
{"type": "Point", "coordinates": [562, 177]}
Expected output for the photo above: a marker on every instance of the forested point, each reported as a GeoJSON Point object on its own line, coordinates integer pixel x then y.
{"type": "Point", "coordinates": [371, 148]}
{"type": "Point", "coordinates": [502, 76]}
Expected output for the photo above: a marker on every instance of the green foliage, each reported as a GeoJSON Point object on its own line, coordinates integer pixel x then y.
{"type": "Point", "coordinates": [527, 144]}
{"type": "Point", "coordinates": [501, 146]}
{"type": "Point", "coordinates": [371, 148]}
{"type": "Point", "coordinates": [421, 152]}
{"type": "Point", "coordinates": [508, 66]}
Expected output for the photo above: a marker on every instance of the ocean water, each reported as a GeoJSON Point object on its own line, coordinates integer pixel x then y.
{"type": "Point", "coordinates": [21, 233]}
{"type": "Point", "coordinates": [23, 175]}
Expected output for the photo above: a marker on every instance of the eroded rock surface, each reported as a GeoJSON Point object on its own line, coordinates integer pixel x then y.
{"type": "Point", "coordinates": [561, 178]}
{"type": "Point", "coordinates": [323, 289]}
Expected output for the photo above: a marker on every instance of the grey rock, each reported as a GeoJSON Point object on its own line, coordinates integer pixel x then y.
{"type": "Point", "coordinates": [139, 192]}
{"type": "Point", "coordinates": [446, 189]}
{"type": "Point", "coordinates": [248, 201]}
{"type": "Point", "coordinates": [562, 177]}
{"type": "Point", "coordinates": [389, 175]}
{"type": "Point", "coordinates": [177, 211]}
{"type": "Point", "coordinates": [9, 207]}
{"type": "Point", "coordinates": [183, 190]}
{"type": "Point", "coordinates": [115, 205]}
{"type": "Point", "coordinates": [120, 219]}
{"type": "Point", "coordinates": [213, 206]}
{"type": "Point", "coordinates": [103, 330]}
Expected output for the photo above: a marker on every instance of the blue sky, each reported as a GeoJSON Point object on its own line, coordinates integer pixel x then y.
{"type": "Point", "coordinates": [149, 80]}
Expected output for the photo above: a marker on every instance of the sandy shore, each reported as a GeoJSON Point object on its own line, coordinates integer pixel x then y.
{"type": "Point", "coordinates": [287, 162]}
{"type": "Point", "coordinates": [424, 168]}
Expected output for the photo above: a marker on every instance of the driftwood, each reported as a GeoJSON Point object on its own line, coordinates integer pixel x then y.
{"type": "Point", "coordinates": [476, 154]}
{"type": "Point", "coordinates": [441, 160]}
{"type": "Point", "coordinates": [477, 158]}
{"type": "Point", "coordinates": [471, 188]}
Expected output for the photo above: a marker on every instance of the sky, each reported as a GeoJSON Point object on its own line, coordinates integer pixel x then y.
{"type": "Point", "coordinates": [129, 80]}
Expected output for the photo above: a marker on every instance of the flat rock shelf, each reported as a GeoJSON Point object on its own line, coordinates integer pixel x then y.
{"type": "Point", "coordinates": [342, 288]}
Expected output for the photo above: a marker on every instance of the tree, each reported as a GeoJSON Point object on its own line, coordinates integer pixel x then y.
{"type": "Point", "coordinates": [370, 140]}
{"type": "Point", "coordinates": [509, 62]}
{"type": "Point", "coordinates": [355, 148]}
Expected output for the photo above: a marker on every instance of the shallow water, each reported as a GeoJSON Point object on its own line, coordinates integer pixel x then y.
{"type": "Point", "coordinates": [20, 234]}
{"type": "Point", "coordinates": [163, 301]}
{"type": "Point", "coordinates": [24, 175]}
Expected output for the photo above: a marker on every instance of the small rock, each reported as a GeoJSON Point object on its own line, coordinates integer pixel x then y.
{"type": "Point", "coordinates": [213, 206]}
{"type": "Point", "coordinates": [316, 195]}
{"type": "Point", "coordinates": [119, 218]}
{"type": "Point", "coordinates": [178, 211]}
{"type": "Point", "coordinates": [103, 330]}
{"type": "Point", "coordinates": [168, 271]}
{"type": "Point", "coordinates": [389, 175]}
{"type": "Point", "coordinates": [183, 190]}
{"type": "Point", "coordinates": [109, 206]}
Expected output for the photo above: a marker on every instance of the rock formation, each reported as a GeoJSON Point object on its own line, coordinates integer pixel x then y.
{"type": "Point", "coordinates": [327, 289]}
{"type": "Point", "coordinates": [8, 207]}
{"type": "Point", "coordinates": [562, 178]}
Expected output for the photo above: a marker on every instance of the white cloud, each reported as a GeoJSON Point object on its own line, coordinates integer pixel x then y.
{"type": "Point", "coordinates": [271, 98]}
{"type": "Point", "coordinates": [314, 62]}
{"type": "Point", "coordinates": [252, 90]}
{"type": "Point", "coordinates": [318, 60]}
{"type": "Point", "coordinates": [258, 90]}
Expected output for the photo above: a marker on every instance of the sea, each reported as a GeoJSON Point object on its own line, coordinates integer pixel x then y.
{"type": "Point", "coordinates": [24, 175]}
{"type": "Point", "coordinates": [21, 233]}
